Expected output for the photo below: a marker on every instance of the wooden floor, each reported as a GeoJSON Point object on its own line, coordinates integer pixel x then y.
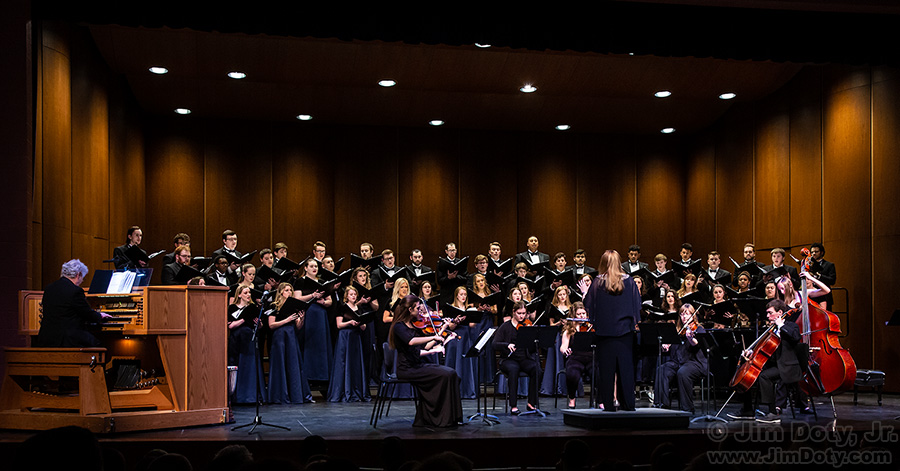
{"type": "Point", "coordinates": [515, 441]}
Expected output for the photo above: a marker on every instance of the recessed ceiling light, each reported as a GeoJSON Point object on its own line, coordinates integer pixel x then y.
{"type": "Point", "coordinates": [482, 45]}
{"type": "Point", "coordinates": [667, 130]}
{"type": "Point", "coordinates": [662, 94]}
{"type": "Point", "coordinates": [563, 127]}
{"type": "Point", "coordinates": [436, 122]}
{"type": "Point", "coordinates": [182, 111]}
{"type": "Point", "coordinates": [304, 117]}
{"type": "Point", "coordinates": [387, 83]}
{"type": "Point", "coordinates": [727, 96]}
{"type": "Point", "coordinates": [159, 70]}
{"type": "Point", "coordinates": [528, 88]}
{"type": "Point", "coordinates": [236, 75]}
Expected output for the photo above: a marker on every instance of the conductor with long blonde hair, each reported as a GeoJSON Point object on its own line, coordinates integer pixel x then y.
{"type": "Point", "coordinates": [614, 303]}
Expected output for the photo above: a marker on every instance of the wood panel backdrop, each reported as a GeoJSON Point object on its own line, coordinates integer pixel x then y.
{"type": "Point", "coordinates": [816, 161]}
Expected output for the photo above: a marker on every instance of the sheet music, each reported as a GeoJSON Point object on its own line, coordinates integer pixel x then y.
{"type": "Point", "coordinates": [484, 338]}
{"type": "Point", "coordinates": [121, 282]}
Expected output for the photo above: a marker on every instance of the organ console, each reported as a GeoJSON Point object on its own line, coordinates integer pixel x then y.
{"type": "Point", "coordinates": [163, 365]}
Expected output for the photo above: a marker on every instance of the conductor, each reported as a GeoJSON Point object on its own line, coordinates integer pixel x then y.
{"type": "Point", "coordinates": [66, 312]}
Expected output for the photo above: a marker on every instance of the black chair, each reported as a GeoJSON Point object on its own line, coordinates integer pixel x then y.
{"type": "Point", "coordinates": [389, 382]}
{"type": "Point", "coordinates": [497, 376]}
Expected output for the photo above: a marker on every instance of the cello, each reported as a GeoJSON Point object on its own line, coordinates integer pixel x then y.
{"type": "Point", "coordinates": [762, 349]}
{"type": "Point", "coordinates": [832, 369]}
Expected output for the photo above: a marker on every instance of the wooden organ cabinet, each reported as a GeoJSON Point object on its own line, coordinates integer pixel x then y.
{"type": "Point", "coordinates": [163, 365]}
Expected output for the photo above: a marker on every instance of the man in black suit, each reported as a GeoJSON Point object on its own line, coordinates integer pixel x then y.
{"type": "Point", "coordinates": [824, 271]}
{"type": "Point", "coordinates": [450, 280]}
{"type": "Point", "coordinates": [180, 239]}
{"type": "Point", "coordinates": [579, 268]}
{"type": "Point", "coordinates": [714, 274]}
{"type": "Point", "coordinates": [532, 255]}
{"type": "Point", "coordinates": [229, 241]}
{"type": "Point", "coordinates": [415, 266]}
{"type": "Point", "coordinates": [220, 275]}
{"type": "Point", "coordinates": [778, 262]}
{"type": "Point", "coordinates": [784, 366]}
{"type": "Point", "coordinates": [66, 312]}
{"type": "Point", "coordinates": [634, 262]}
{"type": "Point", "coordinates": [170, 271]}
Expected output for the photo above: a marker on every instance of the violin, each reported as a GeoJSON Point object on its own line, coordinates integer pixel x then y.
{"type": "Point", "coordinates": [431, 324]}
{"type": "Point", "coordinates": [526, 323]}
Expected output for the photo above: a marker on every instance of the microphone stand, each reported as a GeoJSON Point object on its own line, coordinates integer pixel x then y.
{"type": "Point", "coordinates": [257, 419]}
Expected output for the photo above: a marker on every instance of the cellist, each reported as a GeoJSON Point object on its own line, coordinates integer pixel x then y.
{"type": "Point", "coordinates": [782, 368]}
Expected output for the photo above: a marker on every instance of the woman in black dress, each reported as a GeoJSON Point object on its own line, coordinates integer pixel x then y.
{"type": "Point", "coordinates": [439, 402]}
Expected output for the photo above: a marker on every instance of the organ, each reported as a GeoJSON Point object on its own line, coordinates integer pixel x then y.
{"type": "Point", "coordinates": [163, 366]}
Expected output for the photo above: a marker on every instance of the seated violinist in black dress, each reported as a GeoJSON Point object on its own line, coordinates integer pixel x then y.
{"type": "Point", "coordinates": [576, 361]}
{"type": "Point", "coordinates": [439, 402]}
{"type": "Point", "coordinates": [515, 360]}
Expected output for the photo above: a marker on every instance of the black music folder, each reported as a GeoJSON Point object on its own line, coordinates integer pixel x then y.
{"type": "Point", "coordinates": [369, 263]}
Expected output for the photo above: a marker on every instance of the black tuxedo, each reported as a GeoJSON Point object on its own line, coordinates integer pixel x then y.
{"type": "Point", "coordinates": [825, 272]}
{"type": "Point", "coordinates": [213, 280]}
{"type": "Point", "coordinates": [626, 267]}
{"type": "Point", "coordinates": [791, 271]}
{"type": "Point", "coordinates": [526, 256]}
{"type": "Point", "coordinates": [722, 277]}
{"type": "Point", "coordinates": [66, 315]}
{"type": "Point", "coordinates": [423, 270]}
{"type": "Point", "coordinates": [169, 272]}
{"type": "Point", "coordinates": [168, 258]}
{"type": "Point", "coordinates": [587, 271]}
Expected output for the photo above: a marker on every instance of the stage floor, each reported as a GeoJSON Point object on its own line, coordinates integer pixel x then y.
{"type": "Point", "coordinates": [537, 441]}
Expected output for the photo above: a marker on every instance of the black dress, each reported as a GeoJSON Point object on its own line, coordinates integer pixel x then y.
{"type": "Point", "coordinates": [439, 402]}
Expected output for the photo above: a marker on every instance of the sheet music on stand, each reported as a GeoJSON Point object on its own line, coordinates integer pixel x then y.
{"type": "Point", "coordinates": [121, 282]}
{"type": "Point", "coordinates": [112, 282]}
{"type": "Point", "coordinates": [485, 337]}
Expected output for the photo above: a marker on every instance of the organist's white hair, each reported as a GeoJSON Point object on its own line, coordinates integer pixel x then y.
{"type": "Point", "coordinates": [73, 268]}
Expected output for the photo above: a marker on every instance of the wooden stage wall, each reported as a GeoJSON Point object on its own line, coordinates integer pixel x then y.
{"type": "Point", "coordinates": [815, 161]}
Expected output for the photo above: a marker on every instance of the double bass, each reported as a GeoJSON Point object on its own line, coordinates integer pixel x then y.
{"type": "Point", "coordinates": [831, 366]}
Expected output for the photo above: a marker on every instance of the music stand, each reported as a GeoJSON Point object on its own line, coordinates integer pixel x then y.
{"type": "Point", "coordinates": [583, 342]}
{"type": "Point", "coordinates": [707, 343]}
{"type": "Point", "coordinates": [475, 353]}
{"type": "Point", "coordinates": [655, 334]}
{"type": "Point", "coordinates": [257, 419]}
{"type": "Point", "coordinates": [542, 337]}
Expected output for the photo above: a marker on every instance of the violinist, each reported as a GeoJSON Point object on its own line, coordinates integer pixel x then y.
{"type": "Point", "coordinates": [439, 403]}
{"type": "Point", "coordinates": [515, 359]}
{"type": "Point", "coordinates": [783, 368]}
{"type": "Point", "coordinates": [687, 363]}
{"type": "Point", "coordinates": [576, 361]}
